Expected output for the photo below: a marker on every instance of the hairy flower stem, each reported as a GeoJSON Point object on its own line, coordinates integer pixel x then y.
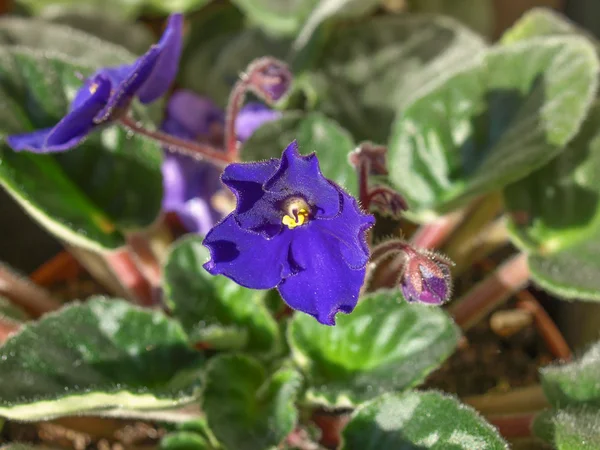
{"type": "Point", "coordinates": [22, 292]}
{"type": "Point", "coordinates": [254, 79]}
{"type": "Point", "coordinates": [434, 234]}
{"type": "Point", "coordinates": [494, 290]}
{"type": "Point", "coordinates": [174, 144]}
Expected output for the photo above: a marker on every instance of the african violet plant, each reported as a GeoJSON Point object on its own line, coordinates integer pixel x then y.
{"type": "Point", "coordinates": [288, 302]}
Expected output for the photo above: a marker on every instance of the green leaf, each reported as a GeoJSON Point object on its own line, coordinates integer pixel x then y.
{"type": "Point", "coordinates": [574, 429]}
{"type": "Point", "coordinates": [106, 25]}
{"type": "Point", "coordinates": [492, 124]}
{"type": "Point", "coordinates": [328, 9]}
{"type": "Point", "coordinates": [87, 196]}
{"type": "Point", "coordinates": [417, 421]}
{"type": "Point", "coordinates": [277, 17]}
{"type": "Point", "coordinates": [211, 67]}
{"type": "Point", "coordinates": [101, 354]}
{"type": "Point", "coordinates": [476, 14]}
{"type": "Point", "coordinates": [539, 22]}
{"type": "Point", "coordinates": [214, 309]}
{"type": "Point", "coordinates": [12, 312]}
{"type": "Point", "coordinates": [575, 383]}
{"type": "Point", "coordinates": [558, 206]}
{"type": "Point", "coordinates": [184, 440]}
{"type": "Point", "coordinates": [174, 6]}
{"type": "Point", "coordinates": [315, 133]}
{"type": "Point", "coordinates": [572, 273]}
{"type": "Point", "coordinates": [42, 35]}
{"type": "Point", "coordinates": [385, 345]}
{"type": "Point", "coordinates": [368, 70]}
{"type": "Point", "coordinates": [246, 408]}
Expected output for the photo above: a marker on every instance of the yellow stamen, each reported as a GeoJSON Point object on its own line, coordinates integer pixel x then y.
{"type": "Point", "coordinates": [93, 88]}
{"type": "Point", "coordinates": [292, 222]}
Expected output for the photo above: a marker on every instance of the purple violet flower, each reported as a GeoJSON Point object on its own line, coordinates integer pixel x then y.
{"type": "Point", "coordinates": [295, 230]}
{"type": "Point", "coordinates": [189, 185]}
{"type": "Point", "coordinates": [108, 92]}
{"type": "Point", "coordinates": [426, 278]}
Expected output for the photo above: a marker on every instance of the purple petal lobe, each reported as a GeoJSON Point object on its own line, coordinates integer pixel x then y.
{"type": "Point", "coordinates": [167, 63]}
{"type": "Point", "coordinates": [251, 117]}
{"type": "Point", "coordinates": [301, 175]}
{"type": "Point", "coordinates": [253, 211]}
{"type": "Point", "coordinates": [73, 127]}
{"type": "Point", "coordinates": [247, 258]}
{"type": "Point", "coordinates": [33, 141]}
{"type": "Point", "coordinates": [349, 231]}
{"type": "Point", "coordinates": [325, 285]}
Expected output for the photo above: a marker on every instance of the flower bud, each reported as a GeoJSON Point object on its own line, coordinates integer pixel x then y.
{"type": "Point", "coordinates": [426, 278]}
{"type": "Point", "coordinates": [270, 79]}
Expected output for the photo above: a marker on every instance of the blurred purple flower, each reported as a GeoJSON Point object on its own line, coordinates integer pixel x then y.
{"type": "Point", "coordinates": [295, 230]}
{"type": "Point", "coordinates": [108, 92]}
{"type": "Point", "coordinates": [189, 185]}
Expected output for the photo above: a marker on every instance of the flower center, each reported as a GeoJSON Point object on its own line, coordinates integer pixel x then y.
{"type": "Point", "coordinates": [298, 213]}
{"type": "Point", "coordinates": [93, 88]}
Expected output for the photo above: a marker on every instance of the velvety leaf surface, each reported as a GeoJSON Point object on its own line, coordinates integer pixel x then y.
{"type": "Point", "coordinates": [492, 124]}
{"type": "Point", "coordinates": [369, 69]}
{"type": "Point", "coordinates": [61, 39]}
{"type": "Point", "coordinates": [476, 14]}
{"type": "Point", "coordinates": [184, 440]}
{"type": "Point", "coordinates": [126, 8]}
{"type": "Point", "coordinates": [385, 344]}
{"type": "Point", "coordinates": [558, 206]}
{"type": "Point", "coordinates": [219, 50]}
{"type": "Point", "coordinates": [88, 196]}
{"type": "Point", "coordinates": [573, 429]}
{"type": "Point", "coordinates": [101, 354]}
{"type": "Point", "coordinates": [314, 133]}
{"type": "Point", "coordinates": [109, 26]}
{"type": "Point", "coordinates": [539, 22]}
{"type": "Point", "coordinates": [213, 309]}
{"type": "Point", "coordinates": [575, 383]}
{"type": "Point", "coordinates": [416, 420]}
{"type": "Point", "coordinates": [277, 17]}
{"type": "Point", "coordinates": [246, 408]}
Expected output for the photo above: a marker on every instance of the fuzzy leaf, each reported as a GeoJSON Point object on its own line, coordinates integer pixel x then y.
{"type": "Point", "coordinates": [246, 408]}
{"type": "Point", "coordinates": [492, 124]}
{"type": "Point", "coordinates": [102, 354]}
{"type": "Point", "coordinates": [370, 69]}
{"type": "Point", "coordinates": [385, 345]}
{"type": "Point", "coordinates": [216, 310]}
{"type": "Point", "coordinates": [417, 421]}
{"type": "Point", "coordinates": [88, 196]}
{"type": "Point", "coordinates": [575, 383]}
{"type": "Point", "coordinates": [314, 133]}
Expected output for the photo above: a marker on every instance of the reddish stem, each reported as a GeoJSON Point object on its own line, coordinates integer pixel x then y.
{"type": "Point", "coordinates": [495, 289]}
{"type": "Point", "coordinates": [174, 144]}
{"type": "Point", "coordinates": [331, 426]}
{"type": "Point", "coordinates": [434, 234]}
{"type": "Point", "coordinates": [61, 267]}
{"type": "Point", "coordinates": [32, 298]}
{"type": "Point", "coordinates": [124, 268]}
{"type": "Point", "coordinates": [552, 336]}
{"type": "Point", "coordinates": [234, 105]}
{"type": "Point", "coordinates": [513, 426]}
